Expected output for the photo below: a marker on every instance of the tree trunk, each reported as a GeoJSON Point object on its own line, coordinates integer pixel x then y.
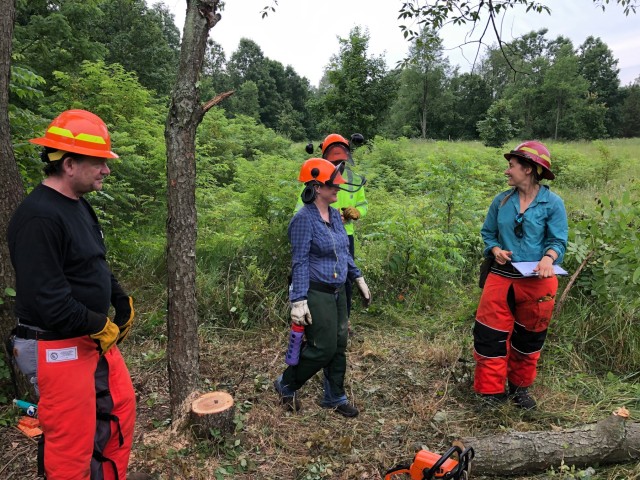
{"type": "Point", "coordinates": [185, 114]}
{"type": "Point", "coordinates": [555, 135]}
{"type": "Point", "coordinates": [612, 440]}
{"type": "Point", "coordinates": [11, 189]}
{"type": "Point", "coordinates": [423, 113]}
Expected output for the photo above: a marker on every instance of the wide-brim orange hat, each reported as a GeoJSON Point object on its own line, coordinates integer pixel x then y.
{"type": "Point", "coordinates": [78, 131]}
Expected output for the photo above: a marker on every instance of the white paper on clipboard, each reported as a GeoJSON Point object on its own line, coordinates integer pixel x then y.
{"type": "Point", "coordinates": [526, 269]}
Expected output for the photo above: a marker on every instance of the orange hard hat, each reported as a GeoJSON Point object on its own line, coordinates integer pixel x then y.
{"type": "Point", "coordinates": [335, 148]}
{"type": "Point", "coordinates": [78, 131]}
{"type": "Point", "coordinates": [322, 171]}
{"type": "Point", "coordinates": [536, 152]}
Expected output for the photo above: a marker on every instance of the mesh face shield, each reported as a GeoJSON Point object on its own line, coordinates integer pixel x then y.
{"type": "Point", "coordinates": [352, 183]}
{"type": "Point", "coordinates": [338, 152]}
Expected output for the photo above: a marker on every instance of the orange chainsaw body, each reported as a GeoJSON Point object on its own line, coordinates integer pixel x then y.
{"type": "Point", "coordinates": [429, 465]}
{"type": "Point", "coordinates": [29, 426]}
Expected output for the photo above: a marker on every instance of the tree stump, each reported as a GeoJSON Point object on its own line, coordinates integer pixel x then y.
{"type": "Point", "coordinates": [212, 412]}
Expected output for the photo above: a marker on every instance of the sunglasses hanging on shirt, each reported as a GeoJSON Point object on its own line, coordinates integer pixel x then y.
{"type": "Point", "coordinates": [518, 230]}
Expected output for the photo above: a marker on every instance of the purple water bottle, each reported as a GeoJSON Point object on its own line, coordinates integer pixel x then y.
{"type": "Point", "coordinates": [295, 344]}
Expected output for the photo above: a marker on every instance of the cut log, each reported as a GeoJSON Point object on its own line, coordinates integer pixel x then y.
{"type": "Point", "coordinates": [212, 412]}
{"type": "Point", "coordinates": [612, 440]}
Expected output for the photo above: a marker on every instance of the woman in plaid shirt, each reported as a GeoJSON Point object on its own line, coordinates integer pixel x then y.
{"type": "Point", "coordinates": [321, 264]}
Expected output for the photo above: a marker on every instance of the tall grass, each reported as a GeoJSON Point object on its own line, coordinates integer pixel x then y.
{"type": "Point", "coordinates": [419, 247]}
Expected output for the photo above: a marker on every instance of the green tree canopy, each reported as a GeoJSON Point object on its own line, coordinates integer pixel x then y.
{"type": "Point", "coordinates": [422, 105]}
{"type": "Point", "coordinates": [142, 40]}
{"type": "Point", "coordinates": [359, 91]}
{"type": "Point", "coordinates": [57, 35]}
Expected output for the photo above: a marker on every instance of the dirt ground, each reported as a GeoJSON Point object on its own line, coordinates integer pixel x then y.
{"type": "Point", "coordinates": [413, 392]}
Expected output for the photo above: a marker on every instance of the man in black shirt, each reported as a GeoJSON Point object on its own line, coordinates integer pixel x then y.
{"type": "Point", "coordinates": [65, 342]}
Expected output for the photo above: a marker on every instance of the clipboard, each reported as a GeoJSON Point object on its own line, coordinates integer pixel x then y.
{"type": "Point", "coordinates": [526, 269]}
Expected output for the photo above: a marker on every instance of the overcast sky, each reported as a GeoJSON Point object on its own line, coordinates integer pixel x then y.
{"type": "Point", "coordinates": [304, 33]}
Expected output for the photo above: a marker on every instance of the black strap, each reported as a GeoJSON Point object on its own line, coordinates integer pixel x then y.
{"type": "Point", "coordinates": [103, 393]}
{"type": "Point", "coordinates": [23, 331]}
{"type": "Point", "coordinates": [40, 457]}
{"type": "Point", "coordinates": [109, 417]}
{"type": "Point", "coordinates": [101, 458]}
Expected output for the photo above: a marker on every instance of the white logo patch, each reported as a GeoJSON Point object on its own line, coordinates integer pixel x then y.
{"type": "Point", "coordinates": [56, 355]}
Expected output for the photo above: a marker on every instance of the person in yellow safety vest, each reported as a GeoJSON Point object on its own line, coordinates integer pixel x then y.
{"type": "Point", "coordinates": [352, 203]}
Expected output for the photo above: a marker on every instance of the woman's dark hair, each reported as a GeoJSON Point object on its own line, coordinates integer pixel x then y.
{"type": "Point", "coordinates": [524, 164]}
{"type": "Point", "coordinates": [527, 164]}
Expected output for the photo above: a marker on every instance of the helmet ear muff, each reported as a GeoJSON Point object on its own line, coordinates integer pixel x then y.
{"type": "Point", "coordinates": [309, 193]}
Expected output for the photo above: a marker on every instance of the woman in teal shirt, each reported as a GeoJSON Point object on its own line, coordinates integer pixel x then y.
{"type": "Point", "coordinates": [527, 223]}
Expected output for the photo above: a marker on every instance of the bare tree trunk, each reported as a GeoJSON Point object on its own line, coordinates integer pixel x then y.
{"type": "Point", "coordinates": [555, 136]}
{"type": "Point", "coordinates": [185, 114]}
{"type": "Point", "coordinates": [11, 189]}
{"type": "Point", "coordinates": [423, 113]}
{"type": "Point", "coordinates": [612, 440]}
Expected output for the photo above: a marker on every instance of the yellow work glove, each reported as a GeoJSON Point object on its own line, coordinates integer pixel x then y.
{"type": "Point", "coordinates": [124, 317]}
{"type": "Point", "coordinates": [351, 213]}
{"type": "Point", "coordinates": [364, 290]}
{"type": "Point", "coordinates": [107, 337]}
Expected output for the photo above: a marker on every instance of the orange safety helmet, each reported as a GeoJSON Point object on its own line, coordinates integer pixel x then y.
{"type": "Point", "coordinates": [335, 148]}
{"type": "Point", "coordinates": [537, 153]}
{"type": "Point", "coordinates": [321, 171]}
{"type": "Point", "coordinates": [78, 131]}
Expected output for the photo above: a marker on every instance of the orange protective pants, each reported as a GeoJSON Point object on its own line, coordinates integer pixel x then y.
{"type": "Point", "coordinates": [510, 330]}
{"type": "Point", "coordinates": [86, 410]}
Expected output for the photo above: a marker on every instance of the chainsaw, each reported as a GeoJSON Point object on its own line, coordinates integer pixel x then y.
{"type": "Point", "coordinates": [28, 424]}
{"type": "Point", "coordinates": [428, 465]}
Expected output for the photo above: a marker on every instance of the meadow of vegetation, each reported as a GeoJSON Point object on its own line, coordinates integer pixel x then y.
{"type": "Point", "coordinates": [410, 361]}
{"type": "Point", "coordinates": [410, 364]}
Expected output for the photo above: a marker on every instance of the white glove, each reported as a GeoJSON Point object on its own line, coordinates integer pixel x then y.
{"type": "Point", "coordinates": [364, 290]}
{"type": "Point", "coordinates": [300, 314]}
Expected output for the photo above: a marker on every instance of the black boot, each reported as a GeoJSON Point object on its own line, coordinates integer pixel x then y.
{"type": "Point", "coordinates": [290, 402]}
{"type": "Point", "coordinates": [521, 397]}
{"type": "Point", "coordinates": [492, 400]}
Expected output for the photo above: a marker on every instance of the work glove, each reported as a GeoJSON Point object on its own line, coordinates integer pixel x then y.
{"type": "Point", "coordinates": [300, 314]}
{"type": "Point", "coordinates": [364, 290]}
{"type": "Point", "coordinates": [351, 213]}
{"type": "Point", "coordinates": [107, 337]}
{"type": "Point", "coordinates": [124, 317]}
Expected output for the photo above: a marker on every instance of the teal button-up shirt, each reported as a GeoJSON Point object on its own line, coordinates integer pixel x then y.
{"type": "Point", "coordinates": [544, 226]}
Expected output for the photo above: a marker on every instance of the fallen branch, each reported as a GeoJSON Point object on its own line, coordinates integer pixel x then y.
{"type": "Point", "coordinates": [572, 280]}
{"type": "Point", "coordinates": [612, 440]}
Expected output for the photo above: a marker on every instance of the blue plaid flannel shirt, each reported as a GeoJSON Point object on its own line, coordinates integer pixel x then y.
{"type": "Point", "coordinates": [319, 251]}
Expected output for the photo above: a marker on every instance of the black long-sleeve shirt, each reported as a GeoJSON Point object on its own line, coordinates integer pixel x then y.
{"type": "Point", "coordinates": [63, 282]}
